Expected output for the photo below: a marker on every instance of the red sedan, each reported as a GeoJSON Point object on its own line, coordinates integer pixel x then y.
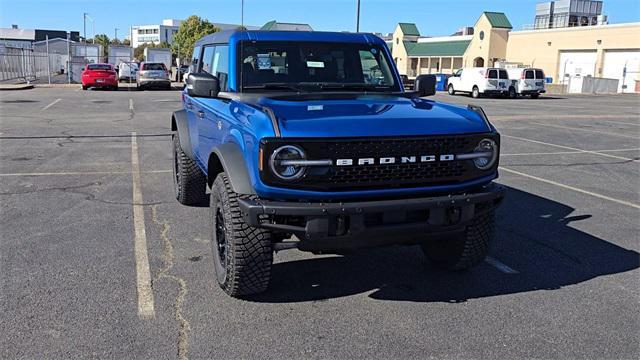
{"type": "Point", "coordinates": [99, 75]}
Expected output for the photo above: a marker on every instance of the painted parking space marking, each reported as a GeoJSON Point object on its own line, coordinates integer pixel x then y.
{"type": "Point", "coordinates": [50, 105]}
{"type": "Point", "coordinates": [500, 266]}
{"type": "Point", "coordinates": [146, 308]}
{"type": "Point", "coordinates": [131, 105]}
{"type": "Point", "coordinates": [595, 152]}
{"type": "Point", "coordinates": [569, 187]}
{"type": "Point", "coordinates": [621, 122]}
{"type": "Point", "coordinates": [75, 173]}
{"type": "Point", "coordinates": [587, 130]}
{"type": "Point", "coordinates": [568, 152]}
{"type": "Point", "coordinates": [560, 117]}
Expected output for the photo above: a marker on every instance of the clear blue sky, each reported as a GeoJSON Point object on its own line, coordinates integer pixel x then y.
{"type": "Point", "coordinates": [433, 17]}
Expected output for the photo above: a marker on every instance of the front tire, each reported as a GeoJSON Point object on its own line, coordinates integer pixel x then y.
{"type": "Point", "coordinates": [189, 182]}
{"type": "Point", "coordinates": [535, 95]}
{"type": "Point", "coordinates": [464, 250]}
{"type": "Point", "coordinates": [242, 255]}
{"type": "Point", "coordinates": [475, 93]}
{"type": "Point", "coordinates": [450, 90]}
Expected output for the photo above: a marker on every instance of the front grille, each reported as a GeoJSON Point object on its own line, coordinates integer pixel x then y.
{"type": "Point", "coordinates": [381, 176]}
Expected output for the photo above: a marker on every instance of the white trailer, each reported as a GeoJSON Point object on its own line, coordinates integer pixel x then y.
{"type": "Point", "coordinates": [158, 55]}
{"type": "Point", "coordinates": [119, 54]}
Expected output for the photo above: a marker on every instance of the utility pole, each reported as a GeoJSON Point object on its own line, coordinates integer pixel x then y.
{"type": "Point", "coordinates": [116, 35]}
{"type": "Point", "coordinates": [84, 26]}
{"type": "Point", "coordinates": [242, 13]}
{"type": "Point", "coordinates": [358, 18]}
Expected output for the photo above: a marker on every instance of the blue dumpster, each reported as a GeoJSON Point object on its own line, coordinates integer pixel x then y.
{"type": "Point", "coordinates": [441, 82]}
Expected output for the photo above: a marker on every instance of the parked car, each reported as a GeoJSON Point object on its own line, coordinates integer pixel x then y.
{"type": "Point", "coordinates": [479, 81]}
{"type": "Point", "coordinates": [153, 75]}
{"type": "Point", "coordinates": [99, 75]}
{"type": "Point", "coordinates": [127, 71]}
{"type": "Point", "coordinates": [406, 82]}
{"type": "Point", "coordinates": [181, 72]}
{"type": "Point", "coordinates": [526, 81]}
{"type": "Point", "coordinates": [293, 138]}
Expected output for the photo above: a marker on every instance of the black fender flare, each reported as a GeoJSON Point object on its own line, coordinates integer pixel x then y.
{"type": "Point", "coordinates": [180, 124]}
{"type": "Point", "coordinates": [228, 158]}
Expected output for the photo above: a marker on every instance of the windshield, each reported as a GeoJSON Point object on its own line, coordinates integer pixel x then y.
{"type": "Point", "coordinates": [315, 66]}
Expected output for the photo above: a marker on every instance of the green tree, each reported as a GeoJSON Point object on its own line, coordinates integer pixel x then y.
{"type": "Point", "coordinates": [126, 42]}
{"type": "Point", "coordinates": [103, 40]}
{"type": "Point", "coordinates": [138, 52]}
{"type": "Point", "coordinates": [189, 32]}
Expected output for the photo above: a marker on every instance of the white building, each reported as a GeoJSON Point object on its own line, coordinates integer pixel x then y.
{"type": "Point", "coordinates": [147, 34]}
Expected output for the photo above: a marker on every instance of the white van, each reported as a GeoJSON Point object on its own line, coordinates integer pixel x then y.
{"type": "Point", "coordinates": [479, 81]}
{"type": "Point", "coordinates": [526, 81]}
{"type": "Point", "coordinates": [127, 71]}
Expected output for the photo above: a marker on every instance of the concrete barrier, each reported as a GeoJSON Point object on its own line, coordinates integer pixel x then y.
{"type": "Point", "coordinates": [592, 85]}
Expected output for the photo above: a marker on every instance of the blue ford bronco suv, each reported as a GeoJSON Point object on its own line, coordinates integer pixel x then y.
{"type": "Point", "coordinates": [312, 134]}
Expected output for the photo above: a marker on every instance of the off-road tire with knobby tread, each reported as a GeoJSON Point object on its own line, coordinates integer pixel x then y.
{"type": "Point", "coordinates": [464, 250]}
{"type": "Point", "coordinates": [189, 182]}
{"type": "Point", "coordinates": [246, 268]}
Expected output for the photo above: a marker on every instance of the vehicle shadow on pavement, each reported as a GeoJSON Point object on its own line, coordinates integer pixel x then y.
{"type": "Point", "coordinates": [534, 237]}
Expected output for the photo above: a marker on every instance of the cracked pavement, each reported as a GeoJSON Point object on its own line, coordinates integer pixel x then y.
{"type": "Point", "coordinates": [68, 267]}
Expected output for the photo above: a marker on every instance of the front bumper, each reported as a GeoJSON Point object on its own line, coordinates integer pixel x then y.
{"type": "Point", "coordinates": [338, 226]}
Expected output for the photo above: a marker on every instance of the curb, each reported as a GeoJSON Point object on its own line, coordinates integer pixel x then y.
{"type": "Point", "coordinates": [16, 87]}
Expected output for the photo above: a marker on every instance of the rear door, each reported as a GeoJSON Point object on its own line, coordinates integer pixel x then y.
{"type": "Point", "coordinates": [503, 79]}
{"type": "Point", "coordinates": [492, 79]}
{"type": "Point", "coordinates": [529, 81]}
{"type": "Point", "coordinates": [539, 79]}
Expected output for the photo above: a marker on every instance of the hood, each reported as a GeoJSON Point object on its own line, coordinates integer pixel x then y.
{"type": "Point", "coordinates": [370, 115]}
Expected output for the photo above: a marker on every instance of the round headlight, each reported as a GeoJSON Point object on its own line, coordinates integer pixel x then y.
{"type": "Point", "coordinates": [279, 162]}
{"type": "Point", "coordinates": [489, 150]}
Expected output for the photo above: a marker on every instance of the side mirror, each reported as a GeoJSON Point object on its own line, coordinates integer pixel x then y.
{"type": "Point", "coordinates": [426, 85]}
{"type": "Point", "coordinates": [203, 85]}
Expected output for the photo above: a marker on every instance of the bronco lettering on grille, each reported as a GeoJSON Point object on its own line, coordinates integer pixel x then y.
{"type": "Point", "coordinates": [394, 160]}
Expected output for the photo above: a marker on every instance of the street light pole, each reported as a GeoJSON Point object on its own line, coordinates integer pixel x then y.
{"type": "Point", "coordinates": [358, 18]}
{"type": "Point", "coordinates": [116, 35]}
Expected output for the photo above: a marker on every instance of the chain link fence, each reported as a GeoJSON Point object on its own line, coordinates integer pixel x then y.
{"type": "Point", "coordinates": [62, 63]}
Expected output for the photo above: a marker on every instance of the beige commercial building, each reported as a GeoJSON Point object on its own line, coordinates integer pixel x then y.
{"type": "Point", "coordinates": [609, 51]}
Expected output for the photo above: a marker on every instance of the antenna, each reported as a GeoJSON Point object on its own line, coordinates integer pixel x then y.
{"type": "Point", "coordinates": [241, 44]}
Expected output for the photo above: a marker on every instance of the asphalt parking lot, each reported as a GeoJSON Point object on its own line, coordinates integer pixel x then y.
{"type": "Point", "coordinates": [81, 171]}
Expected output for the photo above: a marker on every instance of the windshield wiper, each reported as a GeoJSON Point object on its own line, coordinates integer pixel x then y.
{"type": "Point", "coordinates": [352, 86]}
{"type": "Point", "coordinates": [273, 86]}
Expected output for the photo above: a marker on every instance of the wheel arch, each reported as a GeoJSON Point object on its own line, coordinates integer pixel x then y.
{"type": "Point", "coordinates": [180, 125]}
{"type": "Point", "coordinates": [228, 158]}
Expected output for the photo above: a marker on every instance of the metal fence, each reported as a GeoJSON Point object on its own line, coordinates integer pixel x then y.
{"type": "Point", "coordinates": [33, 65]}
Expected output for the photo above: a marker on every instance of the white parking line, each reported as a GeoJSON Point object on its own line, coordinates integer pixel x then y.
{"type": "Point", "coordinates": [500, 266]}
{"type": "Point", "coordinates": [50, 105]}
{"type": "Point", "coordinates": [568, 187]}
{"type": "Point", "coordinates": [131, 105]}
{"type": "Point", "coordinates": [595, 152]}
{"type": "Point", "coordinates": [587, 130]}
{"type": "Point", "coordinates": [72, 173]}
{"type": "Point", "coordinates": [145, 292]}
{"type": "Point", "coordinates": [568, 152]}
{"type": "Point", "coordinates": [621, 122]}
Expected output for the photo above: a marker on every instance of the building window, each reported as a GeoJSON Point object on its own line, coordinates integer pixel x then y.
{"type": "Point", "coordinates": [481, 35]}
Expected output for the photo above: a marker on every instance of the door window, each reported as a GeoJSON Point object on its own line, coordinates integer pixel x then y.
{"type": "Point", "coordinates": [529, 74]}
{"type": "Point", "coordinates": [208, 58]}
{"type": "Point", "coordinates": [220, 66]}
{"type": "Point", "coordinates": [195, 59]}
{"type": "Point", "coordinates": [493, 74]}
{"type": "Point", "coordinates": [539, 74]}
{"type": "Point", "coordinates": [503, 74]}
